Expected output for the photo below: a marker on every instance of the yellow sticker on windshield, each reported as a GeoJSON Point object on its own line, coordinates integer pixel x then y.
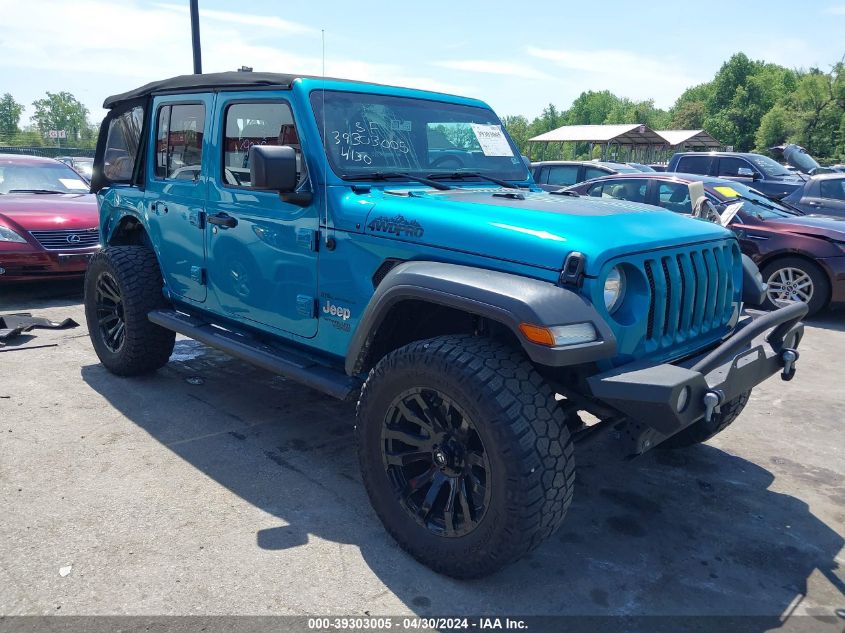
{"type": "Point", "coordinates": [728, 192]}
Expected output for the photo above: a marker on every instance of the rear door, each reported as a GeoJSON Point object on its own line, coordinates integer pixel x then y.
{"type": "Point", "coordinates": [175, 195]}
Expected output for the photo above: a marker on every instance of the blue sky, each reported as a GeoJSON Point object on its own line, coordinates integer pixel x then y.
{"type": "Point", "coordinates": [497, 51]}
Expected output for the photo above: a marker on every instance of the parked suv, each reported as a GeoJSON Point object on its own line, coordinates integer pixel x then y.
{"type": "Point", "coordinates": [308, 226]}
{"type": "Point", "coordinates": [551, 175]}
{"type": "Point", "coordinates": [761, 172]}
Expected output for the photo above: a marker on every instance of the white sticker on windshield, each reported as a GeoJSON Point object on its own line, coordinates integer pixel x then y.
{"type": "Point", "coordinates": [492, 140]}
{"type": "Point", "coordinates": [73, 183]}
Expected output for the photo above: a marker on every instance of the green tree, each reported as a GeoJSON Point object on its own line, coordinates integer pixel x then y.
{"type": "Point", "coordinates": [518, 128]}
{"type": "Point", "coordinates": [62, 111]}
{"type": "Point", "coordinates": [776, 127]}
{"type": "Point", "coordinates": [10, 115]}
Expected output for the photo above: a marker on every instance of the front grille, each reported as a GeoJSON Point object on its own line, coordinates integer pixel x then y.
{"type": "Point", "coordinates": [691, 293]}
{"type": "Point", "coordinates": [67, 239]}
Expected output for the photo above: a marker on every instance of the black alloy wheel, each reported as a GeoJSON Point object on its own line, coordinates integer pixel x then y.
{"type": "Point", "coordinates": [436, 462]}
{"type": "Point", "coordinates": [110, 312]}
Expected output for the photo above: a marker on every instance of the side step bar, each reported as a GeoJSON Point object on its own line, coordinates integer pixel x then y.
{"type": "Point", "coordinates": [285, 363]}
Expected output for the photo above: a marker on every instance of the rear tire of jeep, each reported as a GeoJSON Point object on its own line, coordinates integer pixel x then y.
{"type": "Point", "coordinates": [701, 431]}
{"type": "Point", "coordinates": [122, 285]}
{"type": "Point", "coordinates": [464, 453]}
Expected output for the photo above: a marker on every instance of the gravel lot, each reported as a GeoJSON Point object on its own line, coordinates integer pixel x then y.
{"type": "Point", "coordinates": [212, 487]}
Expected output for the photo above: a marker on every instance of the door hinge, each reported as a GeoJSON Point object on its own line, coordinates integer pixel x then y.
{"type": "Point", "coordinates": [306, 306]}
{"type": "Point", "coordinates": [197, 219]}
{"type": "Point", "coordinates": [198, 274]}
{"type": "Point", "coordinates": [308, 239]}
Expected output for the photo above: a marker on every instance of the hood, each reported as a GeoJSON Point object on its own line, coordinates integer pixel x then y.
{"type": "Point", "coordinates": [815, 225]}
{"type": "Point", "coordinates": [796, 156]}
{"type": "Point", "coordinates": [534, 228]}
{"type": "Point", "coordinates": [36, 212]}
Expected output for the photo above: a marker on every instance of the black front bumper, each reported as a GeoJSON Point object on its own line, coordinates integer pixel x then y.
{"type": "Point", "coordinates": [657, 401]}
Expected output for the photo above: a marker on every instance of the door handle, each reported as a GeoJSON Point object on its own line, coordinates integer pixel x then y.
{"type": "Point", "coordinates": [223, 220]}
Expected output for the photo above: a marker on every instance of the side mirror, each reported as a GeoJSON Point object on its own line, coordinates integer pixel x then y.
{"type": "Point", "coordinates": [272, 167]}
{"type": "Point", "coordinates": [746, 172]}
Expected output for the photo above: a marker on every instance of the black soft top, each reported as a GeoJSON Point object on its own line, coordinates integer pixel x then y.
{"type": "Point", "coordinates": [207, 81]}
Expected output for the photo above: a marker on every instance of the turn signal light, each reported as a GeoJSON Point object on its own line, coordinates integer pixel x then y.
{"type": "Point", "coordinates": [537, 334]}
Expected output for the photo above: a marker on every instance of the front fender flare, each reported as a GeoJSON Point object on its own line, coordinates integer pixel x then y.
{"type": "Point", "coordinates": [506, 298]}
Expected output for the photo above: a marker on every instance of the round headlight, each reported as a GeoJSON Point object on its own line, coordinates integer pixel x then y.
{"type": "Point", "coordinates": [614, 289]}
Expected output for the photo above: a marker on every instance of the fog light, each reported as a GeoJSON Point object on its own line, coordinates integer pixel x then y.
{"type": "Point", "coordinates": [683, 400]}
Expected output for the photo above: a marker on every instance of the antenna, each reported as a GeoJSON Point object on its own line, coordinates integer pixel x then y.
{"type": "Point", "coordinates": [195, 37]}
{"type": "Point", "coordinates": [329, 240]}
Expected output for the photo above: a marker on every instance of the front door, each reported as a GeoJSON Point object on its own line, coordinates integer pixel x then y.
{"type": "Point", "coordinates": [262, 251]}
{"type": "Point", "coordinates": [176, 191]}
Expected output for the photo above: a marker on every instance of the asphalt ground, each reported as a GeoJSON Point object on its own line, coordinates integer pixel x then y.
{"type": "Point", "coordinates": [215, 488]}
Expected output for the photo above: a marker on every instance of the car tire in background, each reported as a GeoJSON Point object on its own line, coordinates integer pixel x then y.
{"type": "Point", "coordinates": [464, 453]}
{"type": "Point", "coordinates": [122, 285]}
{"type": "Point", "coordinates": [798, 278]}
{"type": "Point", "coordinates": [701, 431]}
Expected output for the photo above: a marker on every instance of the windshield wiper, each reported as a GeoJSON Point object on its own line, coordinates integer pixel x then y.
{"type": "Point", "coordinates": [35, 191]}
{"type": "Point", "coordinates": [767, 206]}
{"type": "Point", "coordinates": [395, 175]}
{"type": "Point", "coordinates": [460, 175]}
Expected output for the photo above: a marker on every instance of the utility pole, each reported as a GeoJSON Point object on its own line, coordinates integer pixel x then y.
{"type": "Point", "coordinates": [195, 37]}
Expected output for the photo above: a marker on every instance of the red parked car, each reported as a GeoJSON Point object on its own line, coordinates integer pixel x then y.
{"type": "Point", "coordinates": [48, 220]}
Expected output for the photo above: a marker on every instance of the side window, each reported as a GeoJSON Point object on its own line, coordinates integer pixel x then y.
{"type": "Point", "coordinates": [179, 133]}
{"type": "Point", "coordinates": [249, 124]}
{"type": "Point", "coordinates": [122, 144]}
{"type": "Point", "coordinates": [543, 175]}
{"type": "Point", "coordinates": [563, 175]}
{"type": "Point", "coordinates": [674, 196]}
{"type": "Point", "coordinates": [593, 172]}
{"type": "Point", "coordinates": [833, 189]}
{"type": "Point", "coordinates": [694, 164]}
{"type": "Point", "coordinates": [631, 189]}
{"type": "Point", "coordinates": [730, 166]}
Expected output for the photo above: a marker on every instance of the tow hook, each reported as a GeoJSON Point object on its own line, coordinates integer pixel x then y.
{"type": "Point", "coordinates": [712, 402]}
{"type": "Point", "coordinates": [788, 356]}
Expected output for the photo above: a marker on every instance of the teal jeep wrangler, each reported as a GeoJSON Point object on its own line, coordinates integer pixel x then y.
{"type": "Point", "coordinates": [389, 245]}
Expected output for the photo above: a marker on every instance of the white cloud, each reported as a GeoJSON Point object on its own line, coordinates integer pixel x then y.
{"type": "Point", "coordinates": [101, 47]}
{"type": "Point", "coordinates": [622, 72]}
{"type": "Point", "coordinates": [491, 67]}
{"type": "Point", "coordinates": [270, 22]}
{"type": "Point", "coordinates": [835, 10]}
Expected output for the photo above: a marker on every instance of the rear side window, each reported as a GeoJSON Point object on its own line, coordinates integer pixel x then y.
{"type": "Point", "coordinates": [179, 134]}
{"type": "Point", "coordinates": [594, 172]}
{"type": "Point", "coordinates": [730, 166]}
{"type": "Point", "coordinates": [694, 164]}
{"type": "Point", "coordinates": [833, 189]}
{"type": "Point", "coordinates": [122, 144]}
{"type": "Point", "coordinates": [562, 175]}
{"type": "Point", "coordinates": [631, 189]}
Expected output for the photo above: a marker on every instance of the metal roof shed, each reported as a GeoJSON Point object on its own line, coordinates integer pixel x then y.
{"type": "Point", "coordinates": [689, 138]}
{"type": "Point", "coordinates": [638, 138]}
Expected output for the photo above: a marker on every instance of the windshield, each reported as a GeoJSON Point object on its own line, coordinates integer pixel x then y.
{"type": "Point", "coordinates": [755, 203]}
{"type": "Point", "coordinates": [84, 166]}
{"type": "Point", "coordinates": [768, 166]}
{"type": "Point", "coordinates": [369, 133]}
{"type": "Point", "coordinates": [53, 177]}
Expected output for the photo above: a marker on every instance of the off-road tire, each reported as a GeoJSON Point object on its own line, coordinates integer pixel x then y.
{"type": "Point", "coordinates": [525, 438]}
{"type": "Point", "coordinates": [146, 346]}
{"type": "Point", "coordinates": [821, 283]}
{"type": "Point", "coordinates": [701, 431]}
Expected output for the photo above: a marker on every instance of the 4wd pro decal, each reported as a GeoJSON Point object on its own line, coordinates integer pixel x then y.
{"type": "Point", "coordinates": [398, 226]}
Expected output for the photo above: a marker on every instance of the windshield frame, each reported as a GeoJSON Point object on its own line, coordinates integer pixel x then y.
{"type": "Point", "coordinates": [316, 101]}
